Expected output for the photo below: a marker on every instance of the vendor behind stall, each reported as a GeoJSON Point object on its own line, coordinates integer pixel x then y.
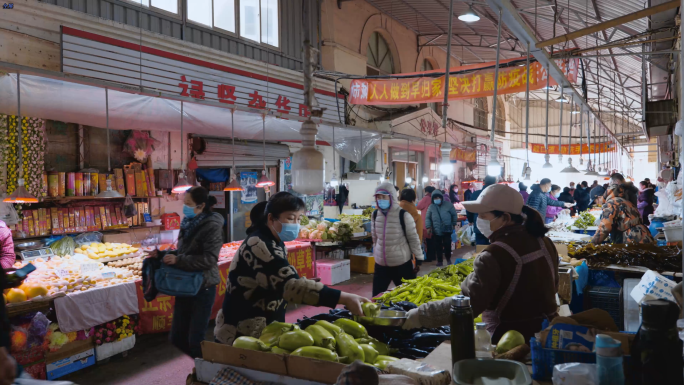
{"type": "Point", "coordinates": [621, 219]}
{"type": "Point", "coordinates": [515, 279]}
{"type": "Point", "coordinates": [261, 281]}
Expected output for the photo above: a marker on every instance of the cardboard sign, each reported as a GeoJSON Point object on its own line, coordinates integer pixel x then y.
{"type": "Point", "coordinates": [89, 268]}
{"type": "Point", "coordinates": [61, 273]}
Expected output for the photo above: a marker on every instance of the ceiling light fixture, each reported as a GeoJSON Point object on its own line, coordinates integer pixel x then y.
{"type": "Point", "coordinates": [470, 16]}
{"type": "Point", "coordinates": [234, 185]}
{"type": "Point", "coordinates": [297, 167]}
{"type": "Point", "coordinates": [108, 192]}
{"type": "Point", "coordinates": [333, 181]}
{"type": "Point", "coordinates": [182, 185]}
{"type": "Point", "coordinates": [493, 167]}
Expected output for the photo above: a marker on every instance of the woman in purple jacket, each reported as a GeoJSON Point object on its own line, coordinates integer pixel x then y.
{"type": "Point", "coordinates": [553, 211]}
{"type": "Point", "coordinates": [645, 201]}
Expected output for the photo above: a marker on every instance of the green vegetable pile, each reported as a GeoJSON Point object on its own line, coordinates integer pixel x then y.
{"type": "Point", "coordinates": [367, 212]}
{"type": "Point", "coordinates": [324, 230]}
{"type": "Point", "coordinates": [439, 284]}
{"type": "Point", "coordinates": [64, 246]}
{"type": "Point", "coordinates": [341, 341]}
{"type": "Point", "coordinates": [585, 220]}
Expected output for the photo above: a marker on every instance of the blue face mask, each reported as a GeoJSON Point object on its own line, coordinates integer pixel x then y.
{"type": "Point", "coordinates": [288, 232]}
{"type": "Point", "coordinates": [384, 204]}
{"type": "Point", "coordinates": [188, 211]}
{"type": "Point", "coordinates": [438, 201]}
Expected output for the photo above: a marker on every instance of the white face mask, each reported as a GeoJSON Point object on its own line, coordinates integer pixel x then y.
{"type": "Point", "coordinates": [484, 227]}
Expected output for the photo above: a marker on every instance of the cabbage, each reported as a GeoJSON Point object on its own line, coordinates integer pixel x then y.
{"type": "Point", "coordinates": [322, 226]}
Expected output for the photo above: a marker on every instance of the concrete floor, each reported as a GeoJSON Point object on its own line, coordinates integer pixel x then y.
{"type": "Point", "coordinates": [154, 361]}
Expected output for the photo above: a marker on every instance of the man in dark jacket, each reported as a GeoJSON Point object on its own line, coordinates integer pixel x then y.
{"type": "Point", "coordinates": [566, 196]}
{"type": "Point", "coordinates": [472, 217]}
{"type": "Point", "coordinates": [596, 192]}
{"type": "Point", "coordinates": [582, 196]}
{"type": "Point", "coordinates": [539, 198]}
{"type": "Point", "coordinates": [631, 190]}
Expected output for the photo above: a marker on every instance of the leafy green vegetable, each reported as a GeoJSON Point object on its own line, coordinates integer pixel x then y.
{"type": "Point", "coordinates": [585, 220]}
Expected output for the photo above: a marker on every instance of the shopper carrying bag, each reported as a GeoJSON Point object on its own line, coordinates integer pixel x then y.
{"type": "Point", "coordinates": [194, 268]}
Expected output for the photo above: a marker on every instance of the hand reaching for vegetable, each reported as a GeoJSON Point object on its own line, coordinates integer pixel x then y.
{"type": "Point", "coordinates": [568, 204]}
{"type": "Point", "coordinates": [352, 302]}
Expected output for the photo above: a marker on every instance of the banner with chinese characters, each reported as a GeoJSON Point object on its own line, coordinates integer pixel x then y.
{"type": "Point", "coordinates": [462, 154]}
{"type": "Point", "coordinates": [156, 316]}
{"type": "Point", "coordinates": [574, 150]}
{"type": "Point", "coordinates": [103, 57]}
{"type": "Point", "coordinates": [474, 84]}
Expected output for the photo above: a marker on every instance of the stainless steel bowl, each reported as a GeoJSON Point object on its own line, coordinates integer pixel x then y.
{"type": "Point", "coordinates": [29, 245]}
{"type": "Point", "coordinates": [385, 318]}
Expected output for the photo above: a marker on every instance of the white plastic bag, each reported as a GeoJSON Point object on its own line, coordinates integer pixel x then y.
{"type": "Point", "coordinates": [653, 286]}
{"type": "Point", "coordinates": [8, 214]}
{"type": "Point", "coordinates": [575, 373]}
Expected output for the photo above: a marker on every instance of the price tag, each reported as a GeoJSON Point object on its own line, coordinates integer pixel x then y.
{"type": "Point", "coordinates": [61, 273]}
{"type": "Point", "coordinates": [148, 217]}
{"type": "Point", "coordinates": [88, 268]}
{"type": "Point", "coordinates": [109, 274]}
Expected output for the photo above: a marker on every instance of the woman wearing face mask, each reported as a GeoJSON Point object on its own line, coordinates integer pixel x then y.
{"type": "Point", "coordinates": [515, 279]}
{"type": "Point", "coordinates": [453, 194]}
{"type": "Point", "coordinates": [199, 243]}
{"type": "Point", "coordinates": [261, 281]}
{"type": "Point", "coordinates": [553, 211]}
{"type": "Point", "coordinates": [440, 221]}
{"type": "Point", "coordinates": [395, 240]}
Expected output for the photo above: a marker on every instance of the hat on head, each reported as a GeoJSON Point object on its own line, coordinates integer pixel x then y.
{"type": "Point", "coordinates": [496, 197]}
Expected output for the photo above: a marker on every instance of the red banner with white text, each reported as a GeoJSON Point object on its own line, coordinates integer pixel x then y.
{"type": "Point", "coordinates": [474, 84]}
{"type": "Point", "coordinates": [574, 150]}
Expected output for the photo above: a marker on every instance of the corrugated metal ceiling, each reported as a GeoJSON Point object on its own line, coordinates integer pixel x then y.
{"type": "Point", "coordinates": [475, 42]}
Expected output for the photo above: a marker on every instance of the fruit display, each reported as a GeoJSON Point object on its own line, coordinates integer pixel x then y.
{"type": "Point", "coordinates": [326, 231]}
{"type": "Point", "coordinates": [132, 264]}
{"type": "Point", "coordinates": [439, 284]}
{"type": "Point", "coordinates": [336, 342]}
{"type": "Point", "coordinates": [66, 275]}
{"type": "Point", "coordinates": [105, 252]}
{"type": "Point", "coordinates": [651, 256]}
{"type": "Point", "coordinates": [228, 250]}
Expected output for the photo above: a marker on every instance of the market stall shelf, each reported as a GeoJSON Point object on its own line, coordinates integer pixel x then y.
{"type": "Point", "coordinates": [32, 305]}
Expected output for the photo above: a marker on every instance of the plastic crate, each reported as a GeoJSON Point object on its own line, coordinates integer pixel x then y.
{"type": "Point", "coordinates": [605, 298]}
{"type": "Point", "coordinates": [543, 360]}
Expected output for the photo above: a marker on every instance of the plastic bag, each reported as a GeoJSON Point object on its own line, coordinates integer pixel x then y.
{"type": "Point", "coordinates": [575, 374]}
{"type": "Point", "coordinates": [37, 330]}
{"type": "Point", "coordinates": [64, 246]}
{"type": "Point", "coordinates": [8, 214]}
{"type": "Point", "coordinates": [88, 238]}
{"type": "Point", "coordinates": [129, 208]}
{"type": "Point", "coordinates": [465, 235]}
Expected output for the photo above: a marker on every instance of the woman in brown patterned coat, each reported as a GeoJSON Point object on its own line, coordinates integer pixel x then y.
{"type": "Point", "coordinates": [621, 219]}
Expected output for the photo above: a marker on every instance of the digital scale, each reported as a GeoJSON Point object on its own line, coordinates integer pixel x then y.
{"type": "Point", "coordinates": [30, 255]}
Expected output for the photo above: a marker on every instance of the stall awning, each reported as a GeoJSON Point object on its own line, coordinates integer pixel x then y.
{"type": "Point", "coordinates": [52, 95]}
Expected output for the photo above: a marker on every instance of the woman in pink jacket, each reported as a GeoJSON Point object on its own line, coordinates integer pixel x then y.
{"type": "Point", "coordinates": [7, 256]}
{"type": "Point", "coordinates": [553, 211]}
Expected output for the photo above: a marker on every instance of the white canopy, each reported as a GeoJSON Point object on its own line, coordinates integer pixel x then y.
{"type": "Point", "coordinates": [75, 102]}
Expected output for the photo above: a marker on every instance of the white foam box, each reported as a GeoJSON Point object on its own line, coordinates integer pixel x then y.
{"type": "Point", "coordinates": [110, 349]}
{"type": "Point", "coordinates": [333, 271]}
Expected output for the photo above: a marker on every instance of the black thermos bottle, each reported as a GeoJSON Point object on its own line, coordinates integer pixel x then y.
{"type": "Point", "coordinates": [462, 329]}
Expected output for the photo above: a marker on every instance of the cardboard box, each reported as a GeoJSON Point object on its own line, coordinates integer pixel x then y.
{"type": "Point", "coordinates": [70, 358]}
{"type": "Point", "coordinates": [170, 221]}
{"type": "Point", "coordinates": [297, 367]}
{"type": "Point", "coordinates": [111, 349]}
{"type": "Point", "coordinates": [362, 263]}
{"type": "Point", "coordinates": [333, 271]}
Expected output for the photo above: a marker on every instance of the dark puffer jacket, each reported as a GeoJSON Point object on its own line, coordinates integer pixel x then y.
{"type": "Point", "coordinates": [199, 248]}
{"type": "Point", "coordinates": [539, 200]}
{"type": "Point", "coordinates": [582, 198]}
